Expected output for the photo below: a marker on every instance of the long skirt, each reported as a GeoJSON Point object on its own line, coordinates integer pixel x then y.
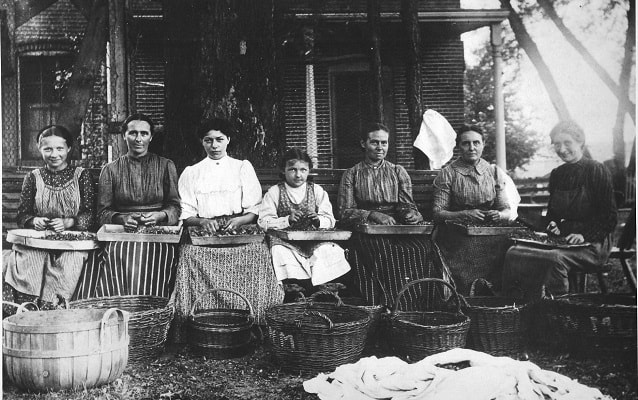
{"type": "Point", "coordinates": [44, 273]}
{"type": "Point", "coordinates": [130, 268]}
{"type": "Point", "coordinates": [472, 257]}
{"type": "Point", "coordinates": [528, 270]}
{"type": "Point", "coordinates": [383, 264]}
{"type": "Point", "coordinates": [246, 269]}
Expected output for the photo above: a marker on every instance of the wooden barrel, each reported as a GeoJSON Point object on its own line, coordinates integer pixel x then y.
{"type": "Point", "coordinates": [64, 349]}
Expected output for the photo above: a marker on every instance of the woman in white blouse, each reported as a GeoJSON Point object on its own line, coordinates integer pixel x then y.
{"type": "Point", "coordinates": [219, 194]}
{"type": "Point", "coordinates": [219, 185]}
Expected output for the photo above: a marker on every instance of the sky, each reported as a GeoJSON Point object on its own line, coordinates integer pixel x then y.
{"type": "Point", "coordinates": [590, 102]}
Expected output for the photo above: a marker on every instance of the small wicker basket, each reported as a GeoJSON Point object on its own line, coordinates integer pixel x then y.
{"type": "Point", "coordinates": [595, 325]}
{"type": "Point", "coordinates": [417, 334]}
{"type": "Point", "coordinates": [150, 318]}
{"type": "Point", "coordinates": [314, 337]}
{"type": "Point", "coordinates": [221, 333]}
{"type": "Point", "coordinates": [497, 324]}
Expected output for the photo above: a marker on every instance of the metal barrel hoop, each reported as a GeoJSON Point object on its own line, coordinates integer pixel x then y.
{"type": "Point", "coordinates": [313, 313]}
{"type": "Point", "coordinates": [327, 293]}
{"type": "Point", "coordinates": [422, 280]}
{"type": "Point", "coordinates": [251, 316]}
{"type": "Point", "coordinates": [105, 318]}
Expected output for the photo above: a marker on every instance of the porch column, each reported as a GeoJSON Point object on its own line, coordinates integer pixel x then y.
{"type": "Point", "coordinates": [117, 74]}
{"type": "Point", "coordinates": [499, 107]}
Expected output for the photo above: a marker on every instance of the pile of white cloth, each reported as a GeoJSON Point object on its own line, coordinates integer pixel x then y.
{"type": "Point", "coordinates": [487, 377]}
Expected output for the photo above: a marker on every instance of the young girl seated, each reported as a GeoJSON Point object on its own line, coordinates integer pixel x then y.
{"type": "Point", "coordinates": [300, 205]}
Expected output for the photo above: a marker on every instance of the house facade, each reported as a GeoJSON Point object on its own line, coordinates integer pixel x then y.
{"type": "Point", "coordinates": [326, 89]}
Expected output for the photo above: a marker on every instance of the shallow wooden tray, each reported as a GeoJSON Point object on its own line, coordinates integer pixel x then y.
{"type": "Point", "coordinates": [116, 233]}
{"type": "Point", "coordinates": [33, 238]}
{"type": "Point", "coordinates": [488, 230]}
{"type": "Point", "coordinates": [324, 234]}
{"type": "Point", "coordinates": [225, 239]}
{"type": "Point", "coordinates": [543, 245]}
{"type": "Point", "coordinates": [372, 229]}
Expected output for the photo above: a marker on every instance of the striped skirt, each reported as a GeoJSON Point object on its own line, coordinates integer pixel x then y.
{"type": "Point", "coordinates": [130, 268]}
{"type": "Point", "coordinates": [44, 273]}
{"type": "Point", "coordinates": [246, 269]}
{"type": "Point", "coordinates": [472, 257]}
{"type": "Point", "coordinates": [383, 264]}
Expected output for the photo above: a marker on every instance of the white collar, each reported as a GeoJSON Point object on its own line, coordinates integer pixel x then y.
{"type": "Point", "coordinates": [301, 188]}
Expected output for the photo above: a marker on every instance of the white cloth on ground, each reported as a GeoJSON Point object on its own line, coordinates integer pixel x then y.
{"type": "Point", "coordinates": [487, 378]}
{"type": "Point", "coordinates": [327, 262]}
{"type": "Point", "coordinates": [436, 139]}
{"type": "Point", "coordinates": [212, 188]}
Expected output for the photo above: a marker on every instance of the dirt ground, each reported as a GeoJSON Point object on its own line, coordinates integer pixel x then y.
{"type": "Point", "coordinates": [180, 374]}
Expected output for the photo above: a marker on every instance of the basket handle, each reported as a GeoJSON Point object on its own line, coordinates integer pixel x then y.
{"type": "Point", "coordinates": [422, 280]}
{"type": "Point", "coordinates": [199, 299]}
{"type": "Point", "coordinates": [484, 282]}
{"type": "Point", "coordinates": [314, 314]}
{"type": "Point", "coordinates": [21, 307]}
{"type": "Point", "coordinates": [327, 293]}
{"type": "Point", "coordinates": [105, 319]}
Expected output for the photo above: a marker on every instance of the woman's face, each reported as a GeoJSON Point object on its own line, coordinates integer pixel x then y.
{"type": "Point", "coordinates": [471, 146]}
{"type": "Point", "coordinates": [138, 136]}
{"type": "Point", "coordinates": [54, 152]}
{"type": "Point", "coordinates": [296, 172]}
{"type": "Point", "coordinates": [215, 144]}
{"type": "Point", "coordinates": [567, 148]}
{"type": "Point", "coordinates": [376, 146]}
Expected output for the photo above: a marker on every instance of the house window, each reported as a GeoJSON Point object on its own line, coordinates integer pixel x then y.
{"type": "Point", "coordinates": [42, 83]}
{"type": "Point", "coordinates": [352, 109]}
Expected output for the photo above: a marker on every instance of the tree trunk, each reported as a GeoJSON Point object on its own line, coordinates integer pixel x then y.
{"type": "Point", "coordinates": [86, 69]}
{"type": "Point", "coordinates": [410, 18]}
{"type": "Point", "coordinates": [374, 23]}
{"type": "Point", "coordinates": [624, 82]}
{"type": "Point", "coordinates": [182, 113]}
{"type": "Point", "coordinates": [604, 76]}
{"type": "Point", "coordinates": [527, 43]}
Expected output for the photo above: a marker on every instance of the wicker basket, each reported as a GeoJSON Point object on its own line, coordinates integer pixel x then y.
{"type": "Point", "coordinates": [314, 337]}
{"type": "Point", "coordinates": [595, 325]}
{"type": "Point", "coordinates": [497, 324]}
{"type": "Point", "coordinates": [417, 334]}
{"type": "Point", "coordinates": [150, 318]}
{"type": "Point", "coordinates": [221, 333]}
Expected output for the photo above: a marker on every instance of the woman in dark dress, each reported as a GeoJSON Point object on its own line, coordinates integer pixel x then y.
{"type": "Point", "coordinates": [581, 209]}
{"type": "Point", "coordinates": [138, 189]}
{"type": "Point", "coordinates": [376, 191]}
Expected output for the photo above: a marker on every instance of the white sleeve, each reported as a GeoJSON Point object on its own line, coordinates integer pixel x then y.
{"type": "Point", "coordinates": [251, 188]}
{"type": "Point", "coordinates": [187, 194]}
{"type": "Point", "coordinates": [268, 218]}
{"type": "Point", "coordinates": [324, 207]}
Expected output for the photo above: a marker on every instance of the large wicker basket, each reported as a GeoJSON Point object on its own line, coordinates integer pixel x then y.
{"type": "Point", "coordinates": [497, 324]}
{"type": "Point", "coordinates": [417, 334]}
{"type": "Point", "coordinates": [595, 325]}
{"type": "Point", "coordinates": [150, 318]}
{"type": "Point", "coordinates": [314, 337]}
{"type": "Point", "coordinates": [221, 333]}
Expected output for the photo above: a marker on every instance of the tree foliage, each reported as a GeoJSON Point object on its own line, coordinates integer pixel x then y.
{"type": "Point", "coordinates": [522, 142]}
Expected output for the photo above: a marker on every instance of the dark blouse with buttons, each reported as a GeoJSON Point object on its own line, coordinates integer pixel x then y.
{"type": "Point", "coordinates": [585, 181]}
{"type": "Point", "coordinates": [86, 216]}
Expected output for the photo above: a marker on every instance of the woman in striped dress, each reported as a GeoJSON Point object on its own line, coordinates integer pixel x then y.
{"type": "Point", "coordinates": [57, 197]}
{"type": "Point", "coordinates": [138, 189]}
{"type": "Point", "coordinates": [376, 191]}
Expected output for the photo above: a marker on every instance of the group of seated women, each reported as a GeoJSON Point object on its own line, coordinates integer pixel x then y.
{"type": "Point", "coordinates": [222, 194]}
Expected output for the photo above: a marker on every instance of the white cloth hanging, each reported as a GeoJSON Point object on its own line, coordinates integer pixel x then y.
{"type": "Point", "coordinates": [436, 139]}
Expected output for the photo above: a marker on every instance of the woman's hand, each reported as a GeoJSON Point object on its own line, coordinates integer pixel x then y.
{"type": "Point", "coordinates": [473, 215]}
{"type": "Point", "coordinates": [412, 217]}
{"type": "Point", "coordinates": [552, 228]}
{"type": "Point", "coordinates": [152, 218]}
{"type": "Point", "coordinates": [128, 220]}
{"type": "Point", "coordinates": [295, 216]}
{"type": "Point", "coordinates": [209, 225]}
{"type": "Point", "coordinates": [234, 223]}
{"type": "Point", "coordinates": [314, 217]}
{"type": "Point", "coordinates": [492, 216]}
{"type": "Point", "coordinates": [381, 218]}
{"type": "Point", "coordinates": [61, 224]}
{"type": "Point", "coordinates": [40, 223]}
{"type": "Point", "coordinates": [575, 238]}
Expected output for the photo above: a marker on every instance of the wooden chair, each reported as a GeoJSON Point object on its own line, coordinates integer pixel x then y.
{"type": "Point", "coordinates": [625, 250]}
